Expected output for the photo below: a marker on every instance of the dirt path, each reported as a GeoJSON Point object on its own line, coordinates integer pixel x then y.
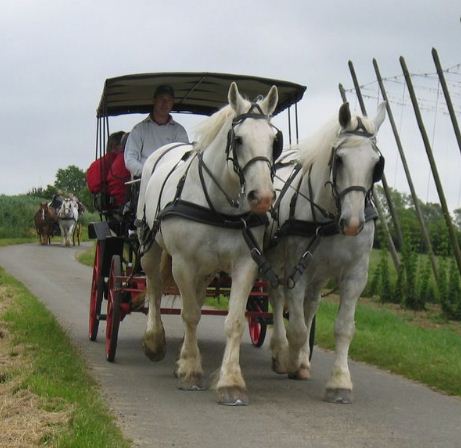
{"type": "Point", "coordinates": [388, 411]}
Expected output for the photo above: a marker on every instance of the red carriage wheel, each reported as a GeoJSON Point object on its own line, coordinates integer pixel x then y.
{"type": "Point", "coordinates": [257, 327]}
{"type": "Point", "coordinates": [97, 292]}
{"type": "Point", "coordinates": [113, 307]}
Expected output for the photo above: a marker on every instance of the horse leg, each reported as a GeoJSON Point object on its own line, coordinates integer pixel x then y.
{"type": "Point", "coordinates": [154, 343]}
{"type": "Point", "coordinates": [70, 232]}
{"type": "Point", "coordinates": [231, 386]}
{"type": "Point", "coordinates": [339, 385]}
{"type": "Point", "coordinates": [311, 303]}
{"type": "Point", "coordinates": [189, 365]}
{"type": "Point", "coordinates": [279, 341]}
{"type": "Point", "coordinates": [298, 366]}
{"type": "Point", "coordinates": [61, 228]}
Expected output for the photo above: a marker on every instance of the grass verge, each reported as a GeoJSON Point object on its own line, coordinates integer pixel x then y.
{"type": "Point", "coordinates": [430, 354]}
{"type": "Point", "coordinates": [54, 372]}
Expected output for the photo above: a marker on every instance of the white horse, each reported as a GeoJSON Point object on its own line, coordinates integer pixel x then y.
{"type": "Point", "coordinates": [323, 232]}
{"type": "Point", "coordinates": [67, 219]}
{"type": "Point", "coordinates": [215, 185]}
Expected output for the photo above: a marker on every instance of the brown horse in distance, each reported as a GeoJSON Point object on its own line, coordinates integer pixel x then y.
{"type": "Point", "coordinates": [44, 220]}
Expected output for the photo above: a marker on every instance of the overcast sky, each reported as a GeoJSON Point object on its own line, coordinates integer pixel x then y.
{"type": "Point", "coordinates": [55, 56]}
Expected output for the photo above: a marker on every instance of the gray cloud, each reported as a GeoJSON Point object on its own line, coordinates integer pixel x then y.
{"type": "Point", "coordinates": [56, 56]}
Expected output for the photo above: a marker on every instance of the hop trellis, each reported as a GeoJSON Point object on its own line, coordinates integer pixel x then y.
{"type": "Point", "coordinates": [427, 86]}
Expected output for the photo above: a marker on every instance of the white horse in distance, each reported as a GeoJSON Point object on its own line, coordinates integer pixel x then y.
{"type": "Point", "coordinates": [67, 219]}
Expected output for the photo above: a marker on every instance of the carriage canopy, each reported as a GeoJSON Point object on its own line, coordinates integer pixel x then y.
{"type": "Point", "coordinates": [196, 93]}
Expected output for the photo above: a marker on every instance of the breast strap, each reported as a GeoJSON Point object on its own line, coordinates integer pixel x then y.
{"type": "Point", "coordinates": [198, 213]}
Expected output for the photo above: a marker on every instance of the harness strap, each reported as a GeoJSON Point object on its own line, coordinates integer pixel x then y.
{"type": "Point", "coordinates": [287, 184]}
{"type": "Point", "coordinates": [264, 267]}
{"type": "Point", "coordinates": [198, 213]}
{"type": "Point", "coordinates": [303, 262]}
{"type": "Point", "coordinates": [309, 229]}
{"type": "Point", "coordinates": [203, 166]}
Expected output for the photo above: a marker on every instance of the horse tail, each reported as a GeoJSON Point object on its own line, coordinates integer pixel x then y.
{"type": "Point", "coordinates": [166, 271]}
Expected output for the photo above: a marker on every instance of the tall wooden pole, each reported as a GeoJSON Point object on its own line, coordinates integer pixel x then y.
{"type": "Point", "coordinates": [342, 92]}
{"type": "Point", "coordinates": [446, 93]}
{"type": "Point", "coordinates": [435, 173]}
{"type": "Point", "coordinates": [379, 208]}
{"type": "Point", "coordinates": [392, 211]}
{"type": "Point", "coordinates": [419, 214]}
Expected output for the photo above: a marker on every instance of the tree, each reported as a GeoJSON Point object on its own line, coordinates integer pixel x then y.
{"type": "Point", "coordinates": [457, 213]}
{"type": "Point", "coordinates": [70, 180]}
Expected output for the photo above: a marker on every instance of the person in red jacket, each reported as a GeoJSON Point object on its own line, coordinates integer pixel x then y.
{"type": "Point", "coordinates": [109, 174]}
{"type": "Point", "coordinates": [118, 175]}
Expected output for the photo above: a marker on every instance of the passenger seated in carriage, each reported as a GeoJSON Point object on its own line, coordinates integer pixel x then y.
{"type": "Point", "coordinates": [109, 174]}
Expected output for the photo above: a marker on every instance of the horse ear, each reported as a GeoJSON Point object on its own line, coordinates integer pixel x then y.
{"type": "Point", "coordinates": [234, 97]}
{"type": "Point", "coordinates": [380, 116]}
{"type": "Point", "coordinates": [344, 115]}
{"type": "Point", "coordinates": [269, 103]}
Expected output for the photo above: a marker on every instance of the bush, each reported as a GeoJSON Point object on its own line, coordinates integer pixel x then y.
{"type": "Point", "coordinates": [450, 290]}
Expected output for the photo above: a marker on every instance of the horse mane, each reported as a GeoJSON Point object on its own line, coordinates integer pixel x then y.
{"type": "Point", "coordinates": [317, 147]}
{"type": "Point", "coordinates": [209, 129]}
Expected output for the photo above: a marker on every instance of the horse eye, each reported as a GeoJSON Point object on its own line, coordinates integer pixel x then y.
{"type": "Point", "coordinates": [238, 140]}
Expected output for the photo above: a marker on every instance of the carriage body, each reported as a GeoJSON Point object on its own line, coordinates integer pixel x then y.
{"type": "Point", "coordinates": [117, 275]}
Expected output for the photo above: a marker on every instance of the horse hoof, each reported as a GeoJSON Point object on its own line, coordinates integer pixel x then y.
{"type": "Point", "coordinates": [277, 367]}
{"type": "Point", "coordinates": [154, 355]}
{"type": "Point", "coordinates": [232, 396]}
{"type": "Point", "coordinates": [192, 383]}
{"type": "Point", "coordinates": [154, 349]}
{"type": "Point", "coordinates": [339, 396]}
{"type": "Point", "coordinates": [303, 373]}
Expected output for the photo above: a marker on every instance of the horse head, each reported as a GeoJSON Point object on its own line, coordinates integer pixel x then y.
{"type": "Point", "coordinates": [68, 209]}
{"type": "Point", "coordinates": [355, 165]}
{"type": "Point", "coordinates": [253, 144]}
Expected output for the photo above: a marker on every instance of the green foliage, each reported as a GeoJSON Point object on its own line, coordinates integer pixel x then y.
{"type": "Point", "coordinates": [17, 215]}
{"type": "Point", "coordinates": [432, 215]}
{"type": "Point", "coordinates": [450, 290]}
{"type": "Point", "coordinates": [387, 292]}
{"type": "Point", "coordinates": [70, 180]}
{"type": "Point", "coordinates": [425, 290]}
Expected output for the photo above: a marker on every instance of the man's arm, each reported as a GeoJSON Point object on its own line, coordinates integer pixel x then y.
{"type": "Point", "coordinates": [133, 150]}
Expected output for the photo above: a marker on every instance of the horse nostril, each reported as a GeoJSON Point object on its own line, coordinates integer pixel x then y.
{"type": "Point", "coordinates": [252, 196]}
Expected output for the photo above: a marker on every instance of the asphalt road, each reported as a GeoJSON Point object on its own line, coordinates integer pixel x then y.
{"type": "Point", "coordinates": [388, 410]}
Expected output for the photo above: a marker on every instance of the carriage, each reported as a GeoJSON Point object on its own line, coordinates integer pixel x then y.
{"type": "Point", "coordinates": [118, 277]}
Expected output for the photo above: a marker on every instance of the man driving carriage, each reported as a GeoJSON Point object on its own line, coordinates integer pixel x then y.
{"type": "Point", "coordinates": [156, 130]}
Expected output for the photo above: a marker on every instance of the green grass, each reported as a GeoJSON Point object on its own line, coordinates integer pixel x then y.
{"type": "Point", "coordinates": [23, 240]}
{"type": "Point", "coordinates": [58, 374]}
{"type": "Point", "coordinates": [86, 256]}
{"type": "Point", "coordinates": [429, 355]}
